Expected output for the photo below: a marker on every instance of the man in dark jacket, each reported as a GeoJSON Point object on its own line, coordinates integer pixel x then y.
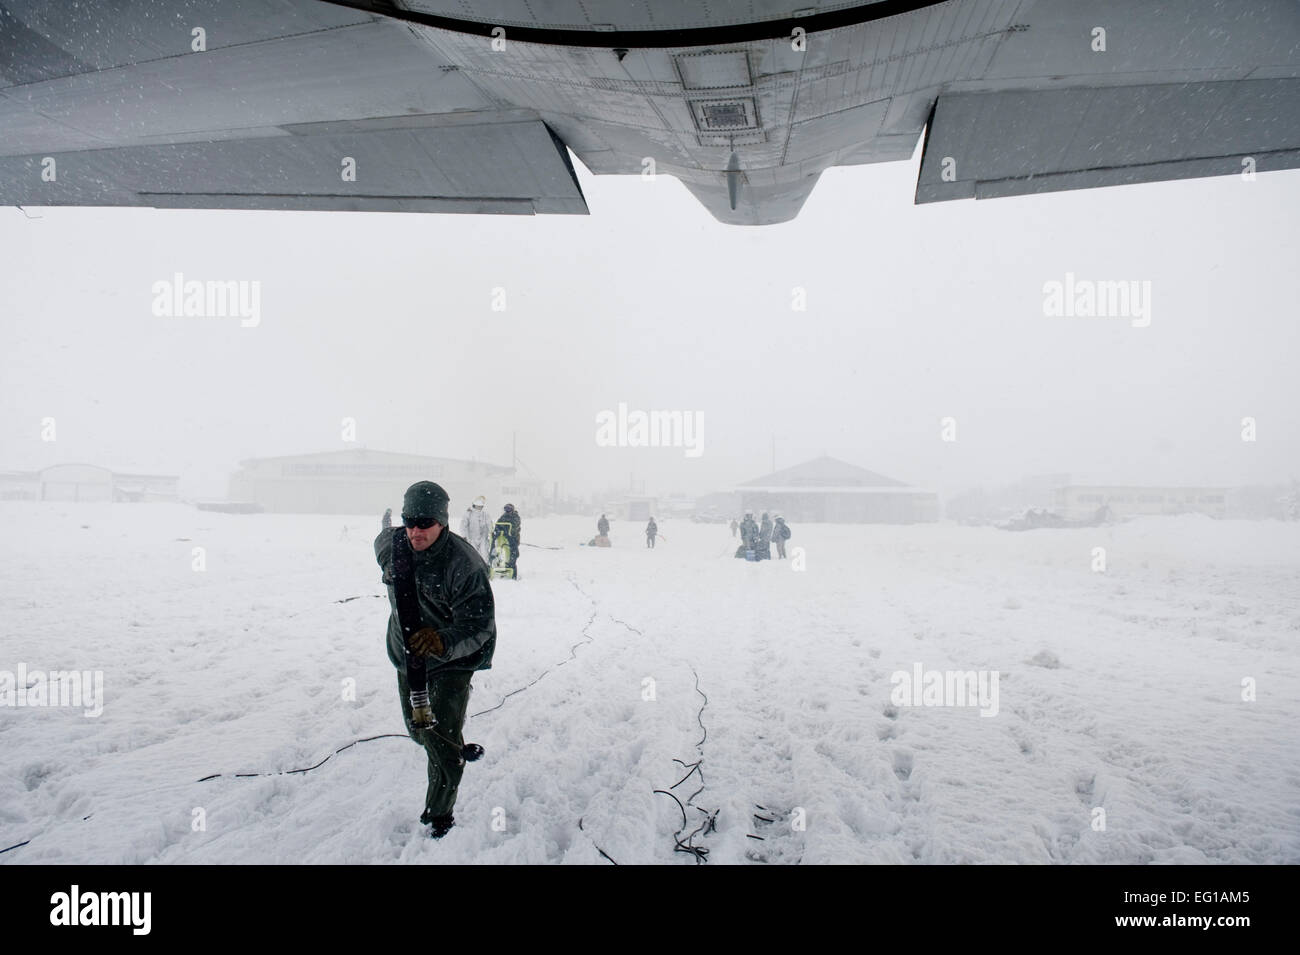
{"type": "Point", "coordinates": [764, 548]}
{"type": "Point", "coordinates": [748, 534]}
{"type": "Point", "coordinates": [780, 534]}
{"type": "Point", "coordinates": [511, 516]}
{"type": "Point", "coordinates": [602, 526]}
{"type": "Point", "coordinates": [651, 530]}
{"type": "Point", "coordinates": [454, 636]}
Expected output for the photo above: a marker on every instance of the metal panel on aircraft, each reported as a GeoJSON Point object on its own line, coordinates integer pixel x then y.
{"type": "Point", "coordinates": [984, 145]}
{"type": "Point", "coordinates": [458, 163]}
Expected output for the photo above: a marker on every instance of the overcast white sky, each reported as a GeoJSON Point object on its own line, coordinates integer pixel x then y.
{"type": "Point", "coordinates": [914, 313]}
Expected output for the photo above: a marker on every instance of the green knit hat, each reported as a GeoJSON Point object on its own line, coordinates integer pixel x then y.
{"type": "Point", "coordinates": [426, 499]}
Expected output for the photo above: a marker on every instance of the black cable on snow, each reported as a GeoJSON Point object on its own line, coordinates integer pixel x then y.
{"type": "Point", "coordinates": [710, 821]}
{"type": "Point", "coordinates": [593, 842]}
{"type": "Point", "coordinates": [573, 653]}
{"type": "Point", "coordinates": [628, 625]}
{"type": "Point", "coordinates": [664, 792]}
{"type": "Point", "coordinates": [306, 769]}
{"type": "Point", "coordinates": [282, 772]}
{"type": "Point", "coordinates": [341, 600]}
{"type": "Point", "coordinates": [694, 768]}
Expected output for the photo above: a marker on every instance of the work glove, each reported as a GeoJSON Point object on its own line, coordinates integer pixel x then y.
{"type": "Point", "coordinates": [427, 642]}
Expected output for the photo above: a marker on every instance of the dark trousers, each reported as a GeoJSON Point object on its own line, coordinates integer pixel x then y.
{"type": "Point", "coordinates": [780, 548]}
{"type": "Point", "coordinates": [449, 696]}
{"type": "Point", "coordinates": [649, 540]}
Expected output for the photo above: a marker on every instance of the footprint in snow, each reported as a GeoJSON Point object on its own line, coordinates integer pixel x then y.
{"type": "Point", "coordinates": [903, 764]}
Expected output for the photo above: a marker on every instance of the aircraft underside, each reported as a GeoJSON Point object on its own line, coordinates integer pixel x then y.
{"type": "Point", "coordinates": [438, 106]}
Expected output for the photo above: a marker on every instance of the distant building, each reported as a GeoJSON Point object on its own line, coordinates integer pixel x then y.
{"type": "Point", "coordinates": [637, 508]}
{"type": "Point", "coordinates": [87, 483]}
{"type": "Point", "coordinates": [140, 488]}
{"type": "Point", "coordinates": [826, 490]}
{"type": "Point", "coordinates": [1077, 501]}
{"type": "Point", "coordinates": [720, 505]}
{"type": "Point", "coordinates": [674, 505]}
{"type": "Point", "coordinates": [20, 485]}
{"type": "Point", "coordinates": [980, 505]}
{"type": "Point", "coordinates": [361, 481]}
{"type": "Point", "coordinates": [1279, 502]}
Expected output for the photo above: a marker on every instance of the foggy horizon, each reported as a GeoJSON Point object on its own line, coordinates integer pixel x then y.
{"type": "Point", "coordinates": [913, 314]}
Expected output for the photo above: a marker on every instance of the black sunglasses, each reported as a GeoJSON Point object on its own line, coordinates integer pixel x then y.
{"type": "Point", "coordinates": [423, 523]}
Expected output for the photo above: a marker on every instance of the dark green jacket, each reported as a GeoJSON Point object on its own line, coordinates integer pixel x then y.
{"type": "Point", "coordinates": [451, 582]}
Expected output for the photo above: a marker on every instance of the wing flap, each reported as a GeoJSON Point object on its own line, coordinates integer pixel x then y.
{"type": "Point", "coordinates": [1017, 142]}
{"type": "Point", "coordinates": [482, 163]}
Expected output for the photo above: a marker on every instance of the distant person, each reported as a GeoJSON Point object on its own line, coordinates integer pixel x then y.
{"type": "Point", "coordinates": [651, 530]}
{"type": "Point", "coordinates": [602, 533]}
{"type": "Point", "coordinates": [510, 516]}
{"type": "Point", "coordinates": [474, 527]}
{"type": "Point", "coordinates": [748, 535]}
{"type": "Point", "coordinates": [780, 534]}
{"type": "Point", "coordinates": [734, 525]}
{"type": "Point", "coordinates": [764, 548]}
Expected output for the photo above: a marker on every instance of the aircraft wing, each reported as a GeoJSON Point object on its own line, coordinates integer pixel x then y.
{"type": "Point", "coordinates": [448, 106]}
{"type": "Point", "coordinates": [290, 105]}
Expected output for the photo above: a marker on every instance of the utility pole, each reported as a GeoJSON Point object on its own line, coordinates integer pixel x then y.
{"type": "Point", "coordinates": [773, 452]}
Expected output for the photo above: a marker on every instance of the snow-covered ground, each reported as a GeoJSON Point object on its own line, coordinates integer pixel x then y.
{"type": "Point", "coordinates": [1118, 690]}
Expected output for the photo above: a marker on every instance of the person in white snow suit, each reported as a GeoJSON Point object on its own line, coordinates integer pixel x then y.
{"type": "Point", "coordinates": [476, 528]}
{"type": "Point", "coordinates": [780, 534]}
